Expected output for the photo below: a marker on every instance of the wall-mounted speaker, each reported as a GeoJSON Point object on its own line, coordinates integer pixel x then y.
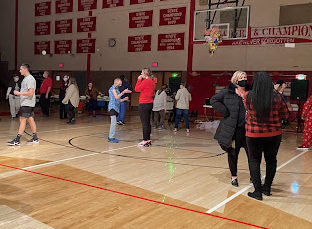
{"type": "Point", "coordinates": [174, 84]}
{"type": "Point", "coordinates": [299, 90]}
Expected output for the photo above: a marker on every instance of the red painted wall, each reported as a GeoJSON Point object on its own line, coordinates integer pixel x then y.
{"type": "Point", "coordinates": [203, 85]}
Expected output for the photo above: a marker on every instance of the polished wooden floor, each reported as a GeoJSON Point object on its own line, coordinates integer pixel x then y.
{"type": "Point", "coordinates": [75, 179]}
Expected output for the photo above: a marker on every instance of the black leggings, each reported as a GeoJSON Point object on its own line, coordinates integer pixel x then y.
{"type": "Point", "coordinates": [240, 142]}
{"type": "Point", "coordinates": [63, 113]}
{"type": "Point", "coordinates": [70, 109]}
{"type": "Point", "coordinates": [145, 110]}
{"type": "Point", "coordinates": [270, 146]}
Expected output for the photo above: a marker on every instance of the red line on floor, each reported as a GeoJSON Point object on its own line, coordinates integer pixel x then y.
{"type": "Point", "coordinates": [133, 196]}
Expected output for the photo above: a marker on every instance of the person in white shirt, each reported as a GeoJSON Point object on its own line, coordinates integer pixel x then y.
{"type": "Point", "coordinates": [183, 98]}
{"type": "Point", "coordinates": [159, 107]}
{"type": "Point", "coordinates": [28, 103]}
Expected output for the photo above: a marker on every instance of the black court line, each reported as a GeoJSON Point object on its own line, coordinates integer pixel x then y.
{"type": "Point", "coordinates": [156, 160]}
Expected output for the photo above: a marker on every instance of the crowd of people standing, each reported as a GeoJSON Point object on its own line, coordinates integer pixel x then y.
{"type": "Point", "coordinates": [252, 115]}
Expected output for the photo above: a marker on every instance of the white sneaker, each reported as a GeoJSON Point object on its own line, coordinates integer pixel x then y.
{"type": "Point", "coordinates": [302, 148]}
{"type": "Point", "coordinates": [31, 141]}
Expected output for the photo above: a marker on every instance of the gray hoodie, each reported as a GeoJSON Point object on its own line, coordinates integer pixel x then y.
{"type": "Point", "coordinates": [160, 101]}
{"type": "Point", "coordinates": [183, 98]}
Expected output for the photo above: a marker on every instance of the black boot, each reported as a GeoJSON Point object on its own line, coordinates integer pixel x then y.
{"type": "Point", "coordinates": [266, 190]}
{"type": "Point", "coordinates": [256, 195]}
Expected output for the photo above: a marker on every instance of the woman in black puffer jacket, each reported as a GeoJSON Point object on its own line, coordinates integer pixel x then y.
{"type": "Point", "coordinates": [231, 130]}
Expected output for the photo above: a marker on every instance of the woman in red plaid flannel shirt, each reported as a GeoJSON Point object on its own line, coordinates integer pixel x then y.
{"type": "Point", "coordinates": [265, 111]}
{"type": "Point", "coordinates": [307, 131]}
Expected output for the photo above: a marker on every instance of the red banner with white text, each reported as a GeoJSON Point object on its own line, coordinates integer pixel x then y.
{"type": "Point", "coordinates": [64, 6]}
{"type": "Point", "coordinates": [86, 46]}
{"type": "Point", "coordinates": [133, 2]}
{"type": "Point", "coordinates": [87, 5]}
{"type": "Point", "coordinates": [173, 16]}
{"type": "Point", "coordinates": [278, 35]}
{"type": "Point", "coordinates": [141, 19]}
{"type": "Point", "coordinates": [171, 41]}
{"type": "Point", "coordinates": [87, 24]}
{"type": "Point", "coordinates": [139, 43]}
{"type": "Point", "coordinates": [112, 3]}
{"type": "Point", "coordinates": [40, 46]}
{"type": "Point", "coordinates": [42, 28]}
{"type": "Point", "coordinates": [62, 47]}
{"type": "Point", "coordinates": [64, 26]}
{"type": "Point", "coordinates": [42, 9]}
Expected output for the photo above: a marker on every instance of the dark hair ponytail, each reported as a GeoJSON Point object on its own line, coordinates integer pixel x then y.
{"type": "Point", "coordinates": [260, 98]}
{"type": "Point", "coordinates": [163, 88]}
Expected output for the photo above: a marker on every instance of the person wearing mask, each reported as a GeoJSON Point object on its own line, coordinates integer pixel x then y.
{"type": "Point", "coordinates": [91, 95]}
{"type": "Point", "coordinates": [123, 105]}
{"type": "Point", "coordinates": [146, 86]}
{"type": "Point", "coordinates": [183, 98]}
{"type": "Point", "coordinates": [280, 86]}
{"type": "Point", "coordinates": [114, 106]}
{"type": "Point", "coordinates": [14, 100]}
{"type": "Point", "coordinates": [159, 107]}
{"type": "Point", "coordinates": [71, 100]}
{"type": "Point", "coordinates": [28, 102]}
{"type": "Point", "coordinates": [231, 130]}
{"type": "Point", "coordinates": [265, 112]}
{"type": "Point", "coordinates": [307, 131]}
{"type": "Point", "coordinates": [45, 94]}
{"type": "Point", "coordinates": [63, 87]}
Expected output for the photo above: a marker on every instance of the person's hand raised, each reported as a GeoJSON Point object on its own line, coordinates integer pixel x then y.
{"type": "Point", "coordinates": [127, 91]}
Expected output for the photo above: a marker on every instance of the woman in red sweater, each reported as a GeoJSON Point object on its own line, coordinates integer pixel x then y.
{"type": "Point", "coordinates": [146, 86]}
{"type": "Point", "coordinates": [265, 111]}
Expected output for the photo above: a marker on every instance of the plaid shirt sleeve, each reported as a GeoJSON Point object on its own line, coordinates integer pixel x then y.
{"type": "Point", "coordinates": [279, 112]}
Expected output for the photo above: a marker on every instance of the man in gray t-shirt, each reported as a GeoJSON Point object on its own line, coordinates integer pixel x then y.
{"type": "Point", "coordinates": [28, 102]}
{"type": "Point", "coordinates": [28, 83]}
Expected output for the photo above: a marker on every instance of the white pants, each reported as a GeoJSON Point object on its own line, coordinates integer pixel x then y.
{"type": "Point", "coordinates": [15, 104]}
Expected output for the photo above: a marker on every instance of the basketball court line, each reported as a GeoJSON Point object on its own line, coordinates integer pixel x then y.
{"type": "Point", "coordinates": [55, 130]}
{"type": "Point", "coordinates": [133, 196]}
{"type": "Point", "coordinates": [250, 185]}
{"type": "Point", "coordinates": [11, 173]}
{"type": "Point", "coordinates": [147, 159]}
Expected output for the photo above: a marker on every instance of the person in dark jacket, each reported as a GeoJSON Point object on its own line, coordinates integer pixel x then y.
{"type": "Point", "coordinates": [63, 86]}
{"type": "Point", "coordinates": [231, 130]}
{"type": "Point", "coordinates": [123, 105]}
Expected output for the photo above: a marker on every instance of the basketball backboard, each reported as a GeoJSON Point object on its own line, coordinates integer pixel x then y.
{"type": "Point", "coordinates": [233, 22]}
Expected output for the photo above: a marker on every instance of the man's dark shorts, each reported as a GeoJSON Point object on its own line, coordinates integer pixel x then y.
{"type": "Point", "coordinates": [27, 112]}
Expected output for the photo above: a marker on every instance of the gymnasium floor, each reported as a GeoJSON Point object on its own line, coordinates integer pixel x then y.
{"type": "Point", "coordinates": [75, 179]}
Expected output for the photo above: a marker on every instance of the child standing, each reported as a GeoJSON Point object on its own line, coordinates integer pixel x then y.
{"type": "Point", "coordinates": [183, 98]}
{"type": "Point", "coordinates": [307, 131]}
{"type": "Point", "coordinates": [159, 107]}
{"type": "Point", "coordinates": [113, 107]}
